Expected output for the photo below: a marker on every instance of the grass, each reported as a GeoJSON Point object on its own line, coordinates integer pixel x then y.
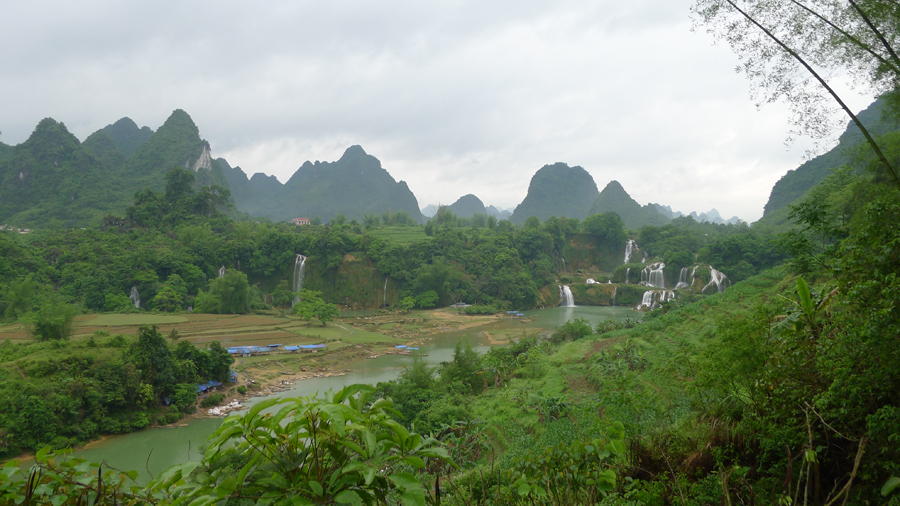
{"type": "Point", "coordinates": [133, 319]}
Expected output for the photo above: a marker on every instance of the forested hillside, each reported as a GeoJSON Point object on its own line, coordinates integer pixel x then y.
{"type": "Point", "coordinates": [615, 199]}
{"type": "Point", "coordinates": [797, 182]}
{"type": "Point", "coordinates": [54, 181]}
{"type": "Point", "coordinates": [354, 186]}
{"type": "Point", "coordinates": [557, 190]}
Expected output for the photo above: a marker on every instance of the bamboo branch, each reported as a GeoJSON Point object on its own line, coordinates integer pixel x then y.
{"type": "Point", "coordinates": [828, 88]}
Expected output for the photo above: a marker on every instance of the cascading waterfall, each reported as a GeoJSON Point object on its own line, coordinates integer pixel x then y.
{"type": "Point", "coordinates": [683, 280]}
{"type": "Point", "coordinates": [717, 279]}
{"type": "Point", "coordinates": [384, 295]}
{"type": "Point", "coordinates": [564, 263]}
{"type": "Point", "coordinates": [629, 249]}
{"type": "Point", "coordinates": [653, 275]}
{"type": "Point", "coordinates": [627, 274]}
{"type": "Point", "coordinates": [222, 271]}
{"type": "Point", "coordinates": [653, 298]}
{"type": "Point", "coordinates": [135, 297]}
{"type": "Point", "coordinates": [590, 281]}
{"type": "Point", "coordinates": [299, 271]}
{"type": "Point", "coordinates": [615, 291]}
{"type": "Point", "coordinates": [565, 297]}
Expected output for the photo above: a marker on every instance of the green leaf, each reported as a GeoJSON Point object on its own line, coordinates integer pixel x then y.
{"type": "Point", "coordinates": [413, 498]}
{"type": "Point", "coordinates": [261, 406]}
{"type": "Point", "coordinates": [316, 488]}
{"type": "Point", "coordinates": [348, 497]}
{"type": "Point", "coordinates": [405, 481]}
{"type": "Point", "coordinates": [890, 485]}
{"type": "Point", "coordinates": [414, 461]}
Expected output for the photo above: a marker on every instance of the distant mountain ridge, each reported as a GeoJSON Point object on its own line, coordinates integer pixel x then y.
{"type": "Point", "coordinates": [53, 180]}
{"type": "Point", "coordinates": [557, 190]}
{"type": "Point", "coordinates": [615, 199]}
{"type": "Point", "coordinates": [354, 185]}
{"type": "Point", "coordinates": [798, 181]}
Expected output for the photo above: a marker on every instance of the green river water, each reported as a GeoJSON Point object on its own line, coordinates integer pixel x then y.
{"type": "Point", "coordinates": [151, 451]}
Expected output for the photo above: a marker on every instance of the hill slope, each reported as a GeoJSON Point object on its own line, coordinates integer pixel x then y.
{"type": "Point", "coordinates": [615, 199]}
{"type": "Point", "coordinates": [52, 180]}
{"type": "Point", "coordinates": [796, 182]}
{"type": "Point", "coordinates": [468, 205]}
{"type": "Point", "coordinates": [354, 185]}
{"type": "Point", "coordinates": [557, 190]}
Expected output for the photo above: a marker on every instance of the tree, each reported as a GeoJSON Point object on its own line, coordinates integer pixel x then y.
{"type": "Point", "coordinates": [232, 292]}
{"type": "Point", "coordinates": [17, 297]}
{"type": "Point", "coordinates": [54, 321]}
{"type": "Point", "coordinates": [325, 312]}
{"type": "Point", "coordinates": [607, 228]}
{"type": "Point", "coordinates": [783, 43]}
{"type": "Point", "coordinates": [179, 183]}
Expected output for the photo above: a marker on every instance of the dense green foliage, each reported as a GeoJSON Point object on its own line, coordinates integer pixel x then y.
{"type": "Point", "coordinates": [63, 393]}
{"type": "Point", "coordinates": [54, 181]}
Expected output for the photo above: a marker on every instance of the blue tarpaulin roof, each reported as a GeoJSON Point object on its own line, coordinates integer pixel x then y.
{"type": "Point", "coordinates": [273, 345]}
{"type": "Point", "coordinates": [291, 348]}
{"type": "Point", "coordinates": [312, 346]}
{"type": "Point", "coordinates": [400, 346]}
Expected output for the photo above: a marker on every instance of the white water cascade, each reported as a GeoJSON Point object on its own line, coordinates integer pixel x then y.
{"type": "Point", "coordinates": [717, 279]}
{"type": "Point", "coordinates": [299, 271]}
{"type": "Point", "coordinates": [564, 263]}
{"type": "Point", "coordinates": [222, 271]}
{"type": "Point", "coordinates": [629, 249]}
{"type": "Point", "coordinates": [627, 275]}
{"type": "Point", "coordinates": [685, 280]}
{"type": "Point", "coordinates": [590, 281]}
{"type": "Point", "coordinates": [135, 297]}
{"type": "Point", "coordinates": [653, 298]}
{"type": "Point", "coordinates": [565, 297]}
{"type": "Point", "coordinates": [615, 291]}
{"type": "Point", "coordinates": [653, 275]}
{"type": "Point", "coordinates": [384, 294]}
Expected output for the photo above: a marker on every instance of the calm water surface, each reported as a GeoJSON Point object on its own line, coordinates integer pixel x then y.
{"type": "Point", "coordinates": [151, 451]}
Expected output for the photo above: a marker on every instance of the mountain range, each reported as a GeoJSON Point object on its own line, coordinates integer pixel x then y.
{"type": "Point", "coordinates": [54, 180]}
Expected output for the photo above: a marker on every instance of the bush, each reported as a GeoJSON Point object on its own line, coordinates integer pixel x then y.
{"type": "Point", "coordinates": [473, 310]}
{"type": "Point", "coordinates": [212, 400]}
{"type": "Point", "coordinates": [242, 389]}
{"type": "Point", "coordinates": [571, 331]}
{"type": "Point", "coordinates": [172, 417]}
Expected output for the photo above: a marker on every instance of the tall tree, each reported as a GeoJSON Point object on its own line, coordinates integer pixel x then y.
{"type": "Point", "coordinates": [796, 50]}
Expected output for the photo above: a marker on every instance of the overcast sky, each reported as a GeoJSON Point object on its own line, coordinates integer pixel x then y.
{"type": "Point", "coordinates": [453, 97]}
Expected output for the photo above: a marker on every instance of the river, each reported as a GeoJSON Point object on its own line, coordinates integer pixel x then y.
{"type": "Point", "coordinates": [151, 451]}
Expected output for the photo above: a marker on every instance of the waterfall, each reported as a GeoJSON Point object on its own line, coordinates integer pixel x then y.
{"type": "Point", "coordinates": [627, 274]}
{"type": "Point", "coordinates": [135, 297]}
{"type": "Point", "coordinates": [565, 296]}
{"type": "Point", "coordinates": [299, 271]}
{"type": "Point", "coordinates": [564, 263]}
{"type": "Point", "coordinates": [644, 259]}
{"type": "Point", "coordinates": [615, 291]}
{"type": "Point", "coordinates": [629, 249]}
{"type": "Point", "coordinates": [683, 280]}
{"type": "Point", "coordinates": [222, 271]}
{"type": "Point", "coordinates": [653, 275]}
{"type": "Point", "coordinates": [653, 298]}
{"type": "Point", "coordinates": [717, 279]}
{"type": "Point", "coordinates": [590, 281]}
{"type": "Point", "coordinates": [384, 295]}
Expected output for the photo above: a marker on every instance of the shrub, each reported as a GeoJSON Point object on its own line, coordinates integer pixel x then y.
{"type": "Point", "coordinates": [212, 400]}
{"type": "Point", "coordinates": [242, 389]}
